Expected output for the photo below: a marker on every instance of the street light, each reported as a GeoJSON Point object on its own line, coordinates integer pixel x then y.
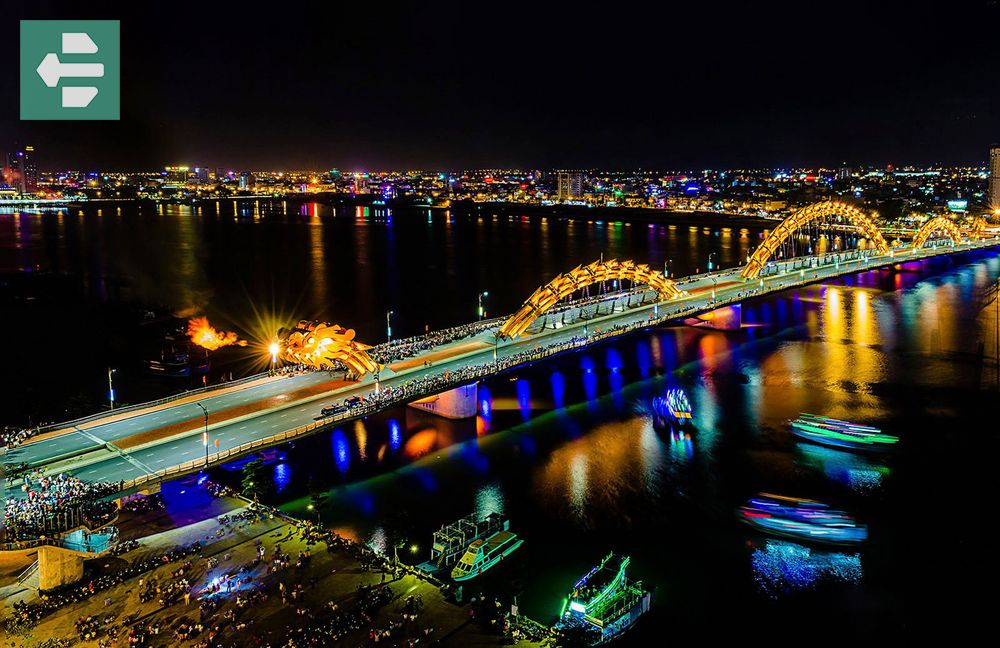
{"type": "Point", "coordinates": [666, 267]}
{"type": "Point", "coordinates": [388, 326]}
{"type": "Point", "coordinates": [111, 389]}
{"type": "Point", "coordinates": [710, 255]}
{"type": "Point", "coordinates": [204, 435]}
{"type": "Point", "coordinates": [274, 349]}
{"type": "Point", "coordinates": [483, 294]}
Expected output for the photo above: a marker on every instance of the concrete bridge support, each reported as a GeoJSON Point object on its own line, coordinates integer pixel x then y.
{"type": "Point", "coordinates": [461, 402]}
{"type": "Point", "coordinates": [58, 567]}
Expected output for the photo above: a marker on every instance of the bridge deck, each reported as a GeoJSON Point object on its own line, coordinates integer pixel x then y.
{"type": "Point", "coordinates": [169, 435]}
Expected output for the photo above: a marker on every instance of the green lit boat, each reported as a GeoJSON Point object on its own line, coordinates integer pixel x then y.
{"type": "Point", "coordinates": [841, 434]}
{"type": "Point", "coordinates": [605, 601]}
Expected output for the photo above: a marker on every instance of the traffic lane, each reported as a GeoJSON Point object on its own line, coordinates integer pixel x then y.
{"type": "Point", "coordinates": [71, 442]}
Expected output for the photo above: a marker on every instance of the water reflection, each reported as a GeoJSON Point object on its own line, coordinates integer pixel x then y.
{"type": "Point", "coordinates": [858, 473]}
{"type": "Point", "coordinates": [781, 567]}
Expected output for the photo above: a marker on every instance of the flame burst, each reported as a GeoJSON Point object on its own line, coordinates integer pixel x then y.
{"type": "Point", "coordinates": [202, 334]}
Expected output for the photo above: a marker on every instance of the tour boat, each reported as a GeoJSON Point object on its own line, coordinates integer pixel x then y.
{"type": "Point", "coordinates": [673, 406]}
{"type": "Point", "coordinates": [484, 554]}
{"type": "Point", "coordinates": [802, 519]}
{"type": "Point", "coordinates": [841, 434]}
{"type": "Point", "coordinates": [604, 601]}
{"type": "Point", "coordinates": [451, 541]}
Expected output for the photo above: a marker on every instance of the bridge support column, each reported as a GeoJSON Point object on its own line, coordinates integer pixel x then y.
{"type": "Point", "coordinates": [461, 402]}
{"type": "Point", "coordinates": [58, 567]}
{"type": "Point", "coordinates": [729, 318]}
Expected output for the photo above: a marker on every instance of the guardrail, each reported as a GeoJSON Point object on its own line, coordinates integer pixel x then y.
{"type": "Point", "coordinates": [27, 573]}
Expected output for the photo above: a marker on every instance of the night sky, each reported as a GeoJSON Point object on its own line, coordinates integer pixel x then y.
{"type": "Point", "coordinates": [462, 85]}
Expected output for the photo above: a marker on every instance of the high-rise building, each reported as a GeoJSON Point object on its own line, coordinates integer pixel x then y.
{"type": "Point", "coordinates": [30, 170]}
{"type": "Point", "coordinates": [569, 185]}
{"type": "Point", "coordinates": [246, 180]}
{"type": "Point", "coordinates": [14, 172]}
{"type": "Point", "coordinates": [993, 193]}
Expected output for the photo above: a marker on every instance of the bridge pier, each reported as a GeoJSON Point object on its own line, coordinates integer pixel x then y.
{"type": "Point", "coordinates": [461, 402]}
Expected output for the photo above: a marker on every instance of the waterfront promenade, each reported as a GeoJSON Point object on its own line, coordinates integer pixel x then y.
{"type": "Point", "coordinates": [166, 440]}
{"type": "Point", "coordinates": [226, 592]}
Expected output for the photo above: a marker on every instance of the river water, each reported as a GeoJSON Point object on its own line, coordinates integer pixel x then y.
{"type": "Point", "coordinates": [564, 448]}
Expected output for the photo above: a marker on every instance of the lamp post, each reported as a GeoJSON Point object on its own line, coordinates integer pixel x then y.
{"type": "Point", "coordinates": [111, 389]}
{"type": "Point", "coordinates": [204, 435]}
{"type": "Point", "coordinates": [666, 267]}
{"type": "Point", "coordinates": [388, 325]}
{"type": "Point", "coordinates": [273, 348]}
{"type": "Point", "coordinates": [710, 255]}
{"type": "Point", "coordinates": [483, 294]}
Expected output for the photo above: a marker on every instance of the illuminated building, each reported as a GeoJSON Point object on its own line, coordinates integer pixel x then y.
{"type": "Point", "coordinates": [247, 180]}
{"type": "Point", "coordinates": [30, 170]}
{"type": "Point", "coordinates": [21, 172]}
{"type": "Point", "coordinates": [993, 195]}
{"type": "Point", "coordinates": [569, 185]}
{"type": "Point", "coordinates": [176, 175]}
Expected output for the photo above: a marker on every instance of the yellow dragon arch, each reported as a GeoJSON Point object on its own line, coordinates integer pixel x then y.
{"type": "Point", "coordinates": [787, 228]}
{"type": "Point", "coordinates": [939, 224]}
{"type": "Point", "coordinates": [578, 278]}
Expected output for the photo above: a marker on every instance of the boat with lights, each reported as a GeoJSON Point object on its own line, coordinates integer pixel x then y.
{"type": "Point", "coordinates": [841, 434]}
{"type": "Point", "coordinates": [484, 554]}
{"type": "Point", "coordinates": [451, 541]}
{"type": "Point", "coordinates": [605, 601]}
{"type": "Point", "coordinates": [802, 519]}
{"type": "Point", "coordinates": [673, 407]}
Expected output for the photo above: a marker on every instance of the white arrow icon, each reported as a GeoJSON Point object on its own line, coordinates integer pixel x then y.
{"type": "Point", "coordinates": [51, 69]}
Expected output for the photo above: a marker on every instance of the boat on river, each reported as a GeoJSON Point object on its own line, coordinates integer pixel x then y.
{"type": "Point", "coordinates": [802, 519]}
{"type": "Point", "coordinates": [672, 408]}
{"type": "Point", "coordinates": [484, 554]}
{"type": "Point", "coordinates": [605, 601]}
{"type": "Point", "coordinates": [451, 541]}
{"type": "Point", "coordinates": [841, 434]}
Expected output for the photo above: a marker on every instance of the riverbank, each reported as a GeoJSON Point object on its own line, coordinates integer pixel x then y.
{"type": "Point", "coordinates": [257, 579]}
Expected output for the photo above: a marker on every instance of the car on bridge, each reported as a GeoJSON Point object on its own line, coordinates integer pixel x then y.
{"type": "Point", "coordinates": [343, 406]}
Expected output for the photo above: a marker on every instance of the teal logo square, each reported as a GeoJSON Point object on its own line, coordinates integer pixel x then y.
{"type": "Point", "coordinates": [70, 69]}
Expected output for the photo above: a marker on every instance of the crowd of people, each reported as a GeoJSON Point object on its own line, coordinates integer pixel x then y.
{"type": "Point", "coordinates": [27, 615]}
{"type": "Point", "coordinates": [389, 352]}
{"type": "Point", "coordinates": [54, 504]}
{"type": "Point", "coordinates": [11, 437]}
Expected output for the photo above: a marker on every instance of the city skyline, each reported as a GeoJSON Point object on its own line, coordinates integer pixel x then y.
{"type": "Point", "coordinates": [460, 89]}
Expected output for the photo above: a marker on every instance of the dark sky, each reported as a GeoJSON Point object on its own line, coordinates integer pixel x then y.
{"type": "Point", "coordinates": [616, 85]}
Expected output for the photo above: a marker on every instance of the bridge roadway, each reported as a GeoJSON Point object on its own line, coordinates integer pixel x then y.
{"type": "Point", "coordinates": [127, 446]}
